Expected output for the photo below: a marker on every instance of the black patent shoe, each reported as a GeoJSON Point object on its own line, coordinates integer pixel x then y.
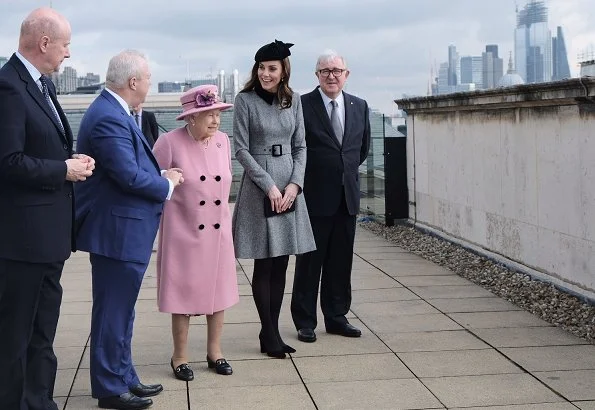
{"type": "Point", "coordinates": [306, 335]}
{"type": "Point", "coordinates": [220, 365]}
{"type": "Point", "coordinates": [125, 401]}
{"type": "Point", "coordinates": [182, 372]}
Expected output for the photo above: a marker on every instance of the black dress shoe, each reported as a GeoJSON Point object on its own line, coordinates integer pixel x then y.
{"type": "Point", "coordinates": [125, 401]}
{"type": "Point", "coordinates": [306, 335]}
{"type": "Point", "coordinates": [347, 330]}
{"type": "Point", "coordinates": [182, 372]}
{"type": "Point", "coordinates": [220, 365]}
{"type": "Point", "coordinates": [146, 390]}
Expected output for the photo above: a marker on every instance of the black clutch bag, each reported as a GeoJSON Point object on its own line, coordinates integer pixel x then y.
{"type": "Point", "coordinates": [268, 211]}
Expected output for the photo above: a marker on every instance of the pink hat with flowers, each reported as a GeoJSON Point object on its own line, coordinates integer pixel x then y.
{"type": "Point", "coordinates": [201, 98]}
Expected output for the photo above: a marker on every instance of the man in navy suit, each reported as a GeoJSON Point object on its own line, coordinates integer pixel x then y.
{"type": "Point", "coordinates": [37, 171]}
{"type": "Point", "coordinates": [338, 138]}
{"type": "Point", "coordinates": [117, 216]}
{"type": "Point", "coordinates": [147, 122]}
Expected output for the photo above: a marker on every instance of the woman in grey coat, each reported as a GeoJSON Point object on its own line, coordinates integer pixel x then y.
{"type": "Point", "coordinates": [269, 141]}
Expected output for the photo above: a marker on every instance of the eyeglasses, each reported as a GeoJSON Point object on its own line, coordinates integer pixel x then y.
{"type": "Point", "coordinates": [337, 72]}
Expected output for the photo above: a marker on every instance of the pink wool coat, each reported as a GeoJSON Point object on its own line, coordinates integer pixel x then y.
{"type": "Point", "coordinates": [196, 271]}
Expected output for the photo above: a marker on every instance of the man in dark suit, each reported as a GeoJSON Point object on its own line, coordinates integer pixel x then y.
{"type": "Point", "coordinates": [147, 123]}
{"type": "Point", "coordinates": [37, 169]}
{"type": "Point", "coordinates": [117, 216]}
{"type": "Point", "coordinates": [338, 138]}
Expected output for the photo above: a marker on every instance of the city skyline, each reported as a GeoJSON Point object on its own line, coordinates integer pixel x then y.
{"type": "Point", "coordinates": [389, 45]}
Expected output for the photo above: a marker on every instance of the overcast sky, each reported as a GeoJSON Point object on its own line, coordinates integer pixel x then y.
{"type": "Point", "coordinates": [389, 45]}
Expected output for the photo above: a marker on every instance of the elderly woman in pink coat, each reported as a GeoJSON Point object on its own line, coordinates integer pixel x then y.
{"type": "Point", "coordinates": [196, 271]}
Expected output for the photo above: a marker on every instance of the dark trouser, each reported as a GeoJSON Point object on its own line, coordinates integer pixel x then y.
{"type": "Point", "coordinates": [333, 258]}
{"type": "Point", "coordinates": [268, 285]}
{"type": "Point", "coordinates": [30, 297]}
{"type": "Point", "coordinates": [115, 289]}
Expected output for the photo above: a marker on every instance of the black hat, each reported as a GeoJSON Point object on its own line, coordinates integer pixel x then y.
{"type": "Point", "coordinates": [276, 50]}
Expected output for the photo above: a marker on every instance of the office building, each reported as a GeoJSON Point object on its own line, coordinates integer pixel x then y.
{"type": "Point", "coordinates": [170, 86]}
{"type": "Point", "coordinates": [492, 67]}
{"type": "Point", "coordinates": [472, 70]}
{"type": "Point", "coordinates": [560, 67]}
{"type": "Point", "coordinates": [453, 65]}
{"type": "Point", "coordinates": [533, 43]}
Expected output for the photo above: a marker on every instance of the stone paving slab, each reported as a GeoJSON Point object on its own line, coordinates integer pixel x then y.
{"type": "Point", "coordinates": [468, 305]}
{"type": "Point", "coordinates": [490, 320]}
{"type": "Point", "coordinates": [574, 385]}
{"type": "Point", "coordinates": [458, 363]}
{"type": "Point", "coordinates": [373, 394]}
{"type": "Point", "coordinates": [490, 390]}
{"type": "Point", "coordinates": [528, 336]}
{"type": "Point", "coordinates": [551, 358]}
{"type": "Point", "coordinates": [410, 268]}
{"type": "Point", "coordinates": [451, 292]}
{"type": "Point", "coordinates": [391, 310]}
{"type": "Point", "coordinates": [382, 295]}
{"type": "Point", "coordinates": [275, 397]}
{"type": "Point", "coordinates": [382, 366]}
{"type": "Point", "coordinates": [430, 340]}
{"type": "Point", "coordinates": [540, 406]}
{"type": "Point", "coordinates": [430, 280]}
{"type": "Point", "coordinates": [412, 323]}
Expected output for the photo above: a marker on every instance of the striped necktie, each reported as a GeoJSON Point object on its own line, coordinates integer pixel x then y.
{"type": "Point", "coordinates": [44, 89]}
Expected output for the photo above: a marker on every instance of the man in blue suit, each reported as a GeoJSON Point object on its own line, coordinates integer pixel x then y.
{"type": "Point", "coordinates": [117, 217]}
{"type": "Point", "coordinates": [37, 172]}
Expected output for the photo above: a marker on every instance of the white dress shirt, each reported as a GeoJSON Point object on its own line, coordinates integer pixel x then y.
{"type": "Point", "coordinates": [340, 106]}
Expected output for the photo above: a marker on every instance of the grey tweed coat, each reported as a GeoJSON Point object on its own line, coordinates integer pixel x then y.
{"type": "Point", "coordinates": [257, 126]}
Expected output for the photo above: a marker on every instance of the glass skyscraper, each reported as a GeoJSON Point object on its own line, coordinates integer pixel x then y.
{"type": "Point", "coordinates": [560, 67]}
{"type": "Point", "coordinates": [533, 43]}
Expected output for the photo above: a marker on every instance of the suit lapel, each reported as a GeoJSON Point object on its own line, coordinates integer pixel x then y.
{"type": "Point", "coordinates": [36, 94]}
{"type": "Point", "coordinates": [320, 110]}
{"type": "Point", "coordinates": [132, 126]}
{"type": "Point", "coordinates": [349, 112]}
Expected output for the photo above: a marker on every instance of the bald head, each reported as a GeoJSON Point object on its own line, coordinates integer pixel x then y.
{"type": "Point", "coordinates": [44, 39]}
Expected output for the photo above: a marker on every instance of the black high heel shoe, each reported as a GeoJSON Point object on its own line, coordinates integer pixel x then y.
{"type": "Point", "coordinates": [287, 348]}
{"type": "Point", "coordinates": [220, 365]}
{"type": "Point", "coordinates": [182, 372]}
{"type": "Point", "coordinates": [277, 354]}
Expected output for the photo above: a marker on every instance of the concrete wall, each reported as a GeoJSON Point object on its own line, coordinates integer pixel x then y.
{"type": "Point", "coordinates": [511, 172]}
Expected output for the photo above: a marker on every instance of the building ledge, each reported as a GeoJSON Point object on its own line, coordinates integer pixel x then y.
{"type": "Point", "coordinates": [573, 91]}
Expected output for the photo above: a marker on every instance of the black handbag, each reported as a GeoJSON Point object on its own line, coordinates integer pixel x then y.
{"type": "Point", "coordinates": [268, 210]}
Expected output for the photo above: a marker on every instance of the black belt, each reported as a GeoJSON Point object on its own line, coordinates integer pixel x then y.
{"type": "Point", "coordinates": [275, 150]}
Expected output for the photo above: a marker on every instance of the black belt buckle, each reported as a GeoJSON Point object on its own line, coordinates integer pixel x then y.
{"type": "Point", "coordinates": [277, 150]}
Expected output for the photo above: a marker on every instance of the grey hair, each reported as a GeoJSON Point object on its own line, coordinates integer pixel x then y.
{"type": "Point", "coordinates": [122, 67]}
{"type": "Point", "coordinates": [327, 56]}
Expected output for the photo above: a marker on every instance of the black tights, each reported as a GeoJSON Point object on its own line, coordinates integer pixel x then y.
{"type": "Point", "coordinates": [268, 285]}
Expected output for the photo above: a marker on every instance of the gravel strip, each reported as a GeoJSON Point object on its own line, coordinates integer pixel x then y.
{"type": "Point", "coordinates": [542, 299]}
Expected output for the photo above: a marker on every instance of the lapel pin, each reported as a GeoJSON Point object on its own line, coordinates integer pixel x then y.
{"type": "Point", "coordinates": [218, 145]}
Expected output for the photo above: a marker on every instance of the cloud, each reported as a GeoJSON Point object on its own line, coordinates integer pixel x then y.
{"type": "Point", "coordinates": [390, 45]}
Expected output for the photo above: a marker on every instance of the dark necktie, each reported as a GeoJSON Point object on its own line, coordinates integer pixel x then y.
{"type": "Point", "coordinates": [335, 122]}
{"type": "Point", "coordinates": [44, 89]}
{"type": "Point", "coordinates": [137, 120]}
